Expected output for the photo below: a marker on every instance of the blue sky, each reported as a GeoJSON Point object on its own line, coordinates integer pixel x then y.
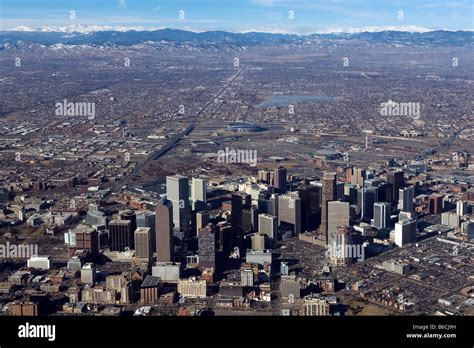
{"type": "Point", "coordinates": [241, 15]}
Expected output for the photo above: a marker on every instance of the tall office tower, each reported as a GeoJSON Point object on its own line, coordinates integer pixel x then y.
{"type": "Point", "coordinates": [239, 202]}
{"type": "Point", "coordinates": [254, 217]}
{"type": "Point", "coordinates": [143, 242]}
{"type": "Point", "coordinates": [310, 196]}
{"type": "Point", "coordinates": [405, 232]}
{"type": "Point", "coordinates": [129, 215]}
{"type": "Point", "coordinates": [247, 220]}
{"type": "Point", "coordinates": [340, 191]}
{"type": "Point", "coordinates": [349, 173]}
{"type": "Point", "coordinates": [351, 195]}
{"type": "Point", "coordinates": [207, 247]}
{"type": "Point", "coordinates": [385, 192]}
{"type": "Point", "coordinates": [227, 237]}
{"type": "Point", "coordinates": [164, 231]}
{"type": "Point", "coordinates": [381, 215]}
{"type": "Point", "coordinates": [367, 196]}
{"type": "Point", "coordinates": [289, 212]}
{"type": "Point", "coordinates": [396, 179]}
{"type": "Point", "coordinates": [467, 228]}
{"type": "Point", "coordinates": [338, 214]}
{"type": "Point", "coordinates": [268, 224]}
{"type": "Point", "coordinates": [328, 194]}
{"type": "Point", "coordinates": [358, 177]}
{"type": "Point", "coordinates": [406, 196]}
{"type": "Point", "coordinates": [461, 208]}
{"type": "Point", "coordinates": [199, 190]}
{"type": "Point", "coordinates": [148, 219]}
{"type": "Point", "coordinates": [436, 204]}
{"type": "Point", "coordinates": [273, 205]}
{"type": "Point", "coordinates": [341, 247]}
{"type": "Point", "coordinates": [280, 179]}
{"type": "Point", "coordinates": [264, 176]}
{"type": "Point", "coordinates": [202, 219]}
{"type": "Point", "coordinates": [177, 191]}
{"type": "Point", "coordinates": [120, 235]}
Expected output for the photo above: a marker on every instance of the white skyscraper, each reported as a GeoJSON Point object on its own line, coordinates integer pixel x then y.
{"type": "Point", "coordinates": [405, 232]}
{"type": "Point", "coordinates": [268, 224]}
{"type": "Point", "coordinates": [177, 191]}
{"type": "Point", "coordinates": [381, 215]}
{"type": "Point", "coordinates": [198, 190]}
{"type": "Point", "coordinates": [461, 208]}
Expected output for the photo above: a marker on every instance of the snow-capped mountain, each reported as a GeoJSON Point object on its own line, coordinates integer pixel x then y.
{"type": "Point", "coordinates": [80, 28]}
{"type": "Point", "coordinates": [105, 36]}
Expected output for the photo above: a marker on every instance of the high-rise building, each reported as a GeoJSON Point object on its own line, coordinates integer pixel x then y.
{"type": "Point", "coordinates": [264, 176]}
{"type": "Point", "coordinates": [87, 240]}
{"type": "Point", "coordinates": [396, 178]}
{"type": "Point", "coordinates": [88, 274]}
{"type": "Point", "coordinates": [247, 277]}
{"type": "Point", "coordinates": [406, 196]}
{"type": "Point", "coordinates": [450, 219]}
{"type": "Point", "coordinates": [342, 252]}
{"type": "Point", "coordinates": [315, 305]}
{"type": "Point", "coordinates": [273, 205]}
{"type": "Point", "coordinates": [148, 219]}
{"type": "Point", "coordinates": [150, 289]}
{"type": "Point", "coordinates": [143, 242]}
{"type": "Point", "coordinates": [192, 288]}
{"type": "Point", "coordinates": [258, 241]}
{"type": "Point", "coordinates": [358, 177]}
{"type": "Point", "coordinates": [385, 190]}
{"type": "Point", "coordinates": [129, 215]}
{"type": "Point", "coordinates": [289, 212]}
{"type": "Point", "coordinates": [436, 204]}
{"type": "Point", "coordinates": [268, 224]}
{"type": "Point", "coordinates": [461, 208]}
{"type": "Point", "coordinates": [349, 174]}
{"type": "Point", "coordinates": [328, 194]}
{"type": "Point", "coordinates": [239, 202]}
{"type": "Point", "coordinates": [381, 215]}
{"type": "Point", "coordinates": [284, 268]}
{"type": "Point", "coordinates": [338, 214]}
{"type": "Point", "coordinates": [310, 196]}
{"type": "Point", "coordinates": [198, 190]}
{"type": "Point", "coordinates": [120, 235]}
{"type": "Point", "coordinates": [254, 212]}
{"type": "Point", "coordinates": [177, 191]}
{"type": "Point", "coordinates": [202, 219]}
{"type": "Point", "coordinates": [367, 196]}
{"type": "Point", "coordinates": [164, 231]}
{"type": "Point", "coordinates": [207, 247]}
{"type": "Point", "coordinates": [95, 217]}
{"type": "Point", "coordinates": [280, 179]}
{"type": "Point", "coordinates": [405, 232]}
{"type": "Point", "coordinates": [227, 237]}
{"type": "Point", "coordinates": [468, 229]}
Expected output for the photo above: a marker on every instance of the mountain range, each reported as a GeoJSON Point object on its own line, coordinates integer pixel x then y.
{"type": "Point", "coordinates": [120, 36]}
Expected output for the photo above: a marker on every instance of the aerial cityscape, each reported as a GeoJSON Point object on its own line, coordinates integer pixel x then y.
{"type": "Point", "coordinates": [252, 167]}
